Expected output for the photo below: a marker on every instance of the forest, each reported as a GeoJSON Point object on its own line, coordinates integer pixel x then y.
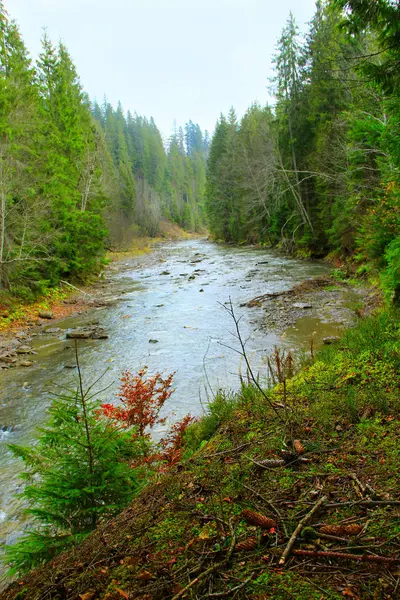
{"type": "Point", "coordinates": [287, 484]}
{"type": "Point", "coordinates": [318, 173]}
{"type": "Point", "coordinates": [77, 178]}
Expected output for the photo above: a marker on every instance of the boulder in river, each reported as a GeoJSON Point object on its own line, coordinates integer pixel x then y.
{"type": "Point", "coordinates": [88, 333]}
{"type": "Point", "coordinates": [301, 305]}
{"type": "Point", "coordinates": [78, 334]}
{"type": "Point", "coordinates": [26, 363]}
{"type": "Point", "coordinates": [153, 341]}
{"type": "Point", "coordinates": [24, 350]}
{"type": "Point", "coordinates": [46, 314]}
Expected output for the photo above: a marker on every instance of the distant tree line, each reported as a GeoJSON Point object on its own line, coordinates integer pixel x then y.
{"type": "Point", "coordinates": [319, 172]}
{"type": "Point", "coordinates": [75, 177]}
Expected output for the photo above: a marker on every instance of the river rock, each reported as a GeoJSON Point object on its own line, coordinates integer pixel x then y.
{"type": "Point", "coordinates": [301, 305]}
{"type": "Point", "coordinates": [21, 335]}
{"type": "Point", "coordinates": [99, 334]}
{"type": "Point", "coordinates": [46, 314]}
{"type": "Point", "coordinates": [153, 341]}
{"type": "Point", "coordinates": [24, 350]}
{"type": "Point", "coordinates": [331, 339]}
{"type": "Point", "coordinates": [52, 330]}
{"type": "Point", "coordinates": [78, 334]}
{"type": "Point", "coordinates": [6, 358]}
{"type": "Point", "coordinates": [74, 299]}
{"type": "Point", "coordinates": [87, 333]}
{"type": "Point", "coordinates": [26, 363]}
{"type": "Point", "coordinates": [165, 273]}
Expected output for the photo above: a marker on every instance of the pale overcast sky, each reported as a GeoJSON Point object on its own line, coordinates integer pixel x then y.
{"type": "Point", "coordinates": [170, 59]}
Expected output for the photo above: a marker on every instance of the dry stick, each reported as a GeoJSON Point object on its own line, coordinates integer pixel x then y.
{"type": "Point", "coordinates": [368, 503]}
{"type": "Point", "coordinates": [276, 511]}
{"type": "Point", "coordinates": [230, 451]}
{"type": "Point", "coordinates": [235, 589]}
{"type": "Point", "coordinates": [210, 569]}
{"type": "Point", "coordinates": [331, 538]}
{"type": "Point", "coordinates": [365, 488]}
{"type": "Point", "coordinates": [360, 489]}
{"type": "Point", "coordinates": [299, 528]}
{"type": "Point", "coordinates": [246, 359]}
{"type": "Point", "coordinates": [75, 288]}
{"type": "Point", "coordinates": [358, 557]}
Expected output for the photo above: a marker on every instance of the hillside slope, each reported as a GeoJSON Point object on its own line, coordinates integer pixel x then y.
{"type": "Point", "coordinates": [322, 449]}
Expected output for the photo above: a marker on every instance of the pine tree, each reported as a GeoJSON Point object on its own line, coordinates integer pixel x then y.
{"type": "Point", "coordinates": [22, 242]}
{"type": "Point", "coordinates": [70, 168]}
{"type": "Point", "coordinates": [80, 470]}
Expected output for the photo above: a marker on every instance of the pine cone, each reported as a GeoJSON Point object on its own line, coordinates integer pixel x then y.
{"type": "Point", "coordinates": [247, 545]}
{"type": "Point", "coordinates": [254, 518]}
{"type": "Point", "coordinates": [341, 530]}
{"type": "Point", "coordinates": [298, 446]}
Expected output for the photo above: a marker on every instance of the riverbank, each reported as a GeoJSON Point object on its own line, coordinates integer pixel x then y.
{"type": "Point", "coordinates": [67, 300]}
{"type": "Point", "coordinates": [288, 493]}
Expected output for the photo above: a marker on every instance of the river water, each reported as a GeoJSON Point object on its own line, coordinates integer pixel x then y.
{"type": "Point", "coordinates": [175, 298]}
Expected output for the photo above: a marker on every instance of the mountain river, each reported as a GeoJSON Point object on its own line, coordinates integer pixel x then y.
{"type": "Point", "coordinates": [168, 314]}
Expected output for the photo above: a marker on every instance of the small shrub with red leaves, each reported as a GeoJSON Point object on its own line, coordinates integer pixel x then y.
{"type": "Point", "coordinates": [142, 399]}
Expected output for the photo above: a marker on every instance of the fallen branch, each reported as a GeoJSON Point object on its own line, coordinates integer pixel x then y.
{"type": "Point", "coordinates": [230, 451]}
{"type": "Point", "coordinates": [229, 592]}
{"type": "Point", "coordinates": [360, 489]}
{"type": "Point", "coordinates": [365, 488]}
{"type": "Point", "coordinates": [210, 569]}
{"type": "Point", "coordinates": [368, 503]}
{"type": "Point", "coordinates": [342, 555]}
{"type": "Point", "coordinates": [75, 288]}
{"type": "Point", "coordinates": [299, 528]}
{"type": "Point", "coordinates": [254, 301]}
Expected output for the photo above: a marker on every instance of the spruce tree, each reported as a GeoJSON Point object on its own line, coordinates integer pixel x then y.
{"type": "Point", "coordinates": [81, 470]}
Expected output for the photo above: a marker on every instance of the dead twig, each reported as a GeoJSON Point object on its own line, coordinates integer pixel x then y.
{"type": "Point", "coordinates": [75, 288]}
{"type": "Point", "coordinates": [210, 569]}
{"type": "Point", "coordinates": [243, 353]}
{"type": "Point", "coordinates": [230, 451]}
{"type": "Point", "coordinates": [368, 503]}
{"type": "Point", "coordinates": [299, 528]}
{"type": "Point", "coordinates": [235, 589]}
{"type": "Point", "coordinates": [342, 555]}
{"type": "Point", "coordinates": [272, 506]}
